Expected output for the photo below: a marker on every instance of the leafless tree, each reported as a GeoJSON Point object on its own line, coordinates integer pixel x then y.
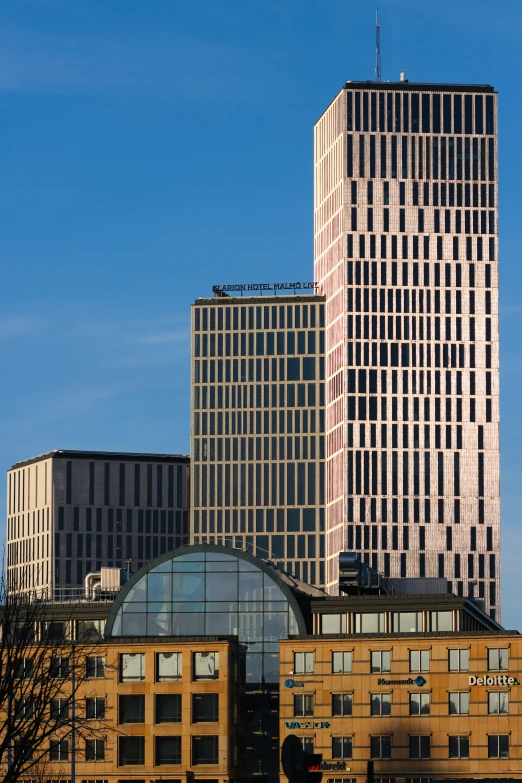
{"type": "Point", "coordinates": [44, 668]}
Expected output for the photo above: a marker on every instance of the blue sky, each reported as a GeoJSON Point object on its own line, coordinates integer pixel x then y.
{"type": "Point", "coordinates": [151, 149]}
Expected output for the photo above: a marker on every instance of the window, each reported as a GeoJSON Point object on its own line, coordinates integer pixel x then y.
{"type": "Point", "coordinates": [59, 750]}
{"type": "Point", "coordinates": [205, 708]}
{"type": "Point", "coordinates": [59, 709]}
{"type": "Point", "coordinates": [308, 744]}
{"type": "Point", "coordinates": [419, 703]}
{"type": "Point", "coordinates": [498, 746]}
{"type": "Point", "coordinates": [132, 667]}
{"type": "Point", "coordinates": [94, 750]}
{"type": "Point", "coordinates": [407, 622]}
{"type": "Point", "coordinates": [498, 659]}
{"type": "Point", "coordinates": [341, 747]}
{"type": "Point", "coordinates": [419, 747]}
{"type": "Point", "coordinates": [168, 666]}
{"type": "Point", "coordinates": [380, 660]}
{"type": "Point", "coordinates": [441, 621]}
{"type": "Point", "coordinates": [498, 703]}
{"type": "Point", "coordinates": [419, 660]}
{"type": "Point", "coordinates": [341, 704]}
{"type": "Point", "coordinates": [132, 709]}
{"type": "Point", "coordinates": [380, 747]}
{"type": "Point", "coordinates": [24, 669]}
{"type": "Point", "coordinates": [303, 662]}
{"type": "Point", "coordinates": [380, 703]}
{"type": "Point", "coordinates": [458, 660]}
{"type": "Point", "coordinates": [370, 623]}
{"type": "Point", "coordinates": [333, 623]}
{"type": "Point", "coordinates": [205, 750]}
{"type": "Point", "coordinates": [206, 666]}
{"type": "Point", "coordinates": [24, 709]}
{"type": "Point", "coordinates": [95, 708]}
{"type": "Point", "coordinates": [60, 668]}
{"type": "Point", "coordinates": [458, 703]}
{"type": "Point", "coordinates": [168, 750]}
{"type": "Point", "coordinates": [459, 747]}
{"type": "Point", "coordinates": [95, 666]}
{"type": "Point", "coordinates": [303, 705]}
{"type": "Point", "coordinates": [341, 662]}
{"type": "Point", "coordinates": [131, 750]}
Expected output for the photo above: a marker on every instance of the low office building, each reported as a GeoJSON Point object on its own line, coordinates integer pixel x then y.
{"type": "Point", "coordinates": [70, 513]}
{"type": "Point", "coordinates": [425, 686]}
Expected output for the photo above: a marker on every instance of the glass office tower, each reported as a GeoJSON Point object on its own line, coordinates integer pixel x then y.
{"type": "Point", "coordinates": [257, 428]}
{"type": "Point", "coordinates": [406, 255]}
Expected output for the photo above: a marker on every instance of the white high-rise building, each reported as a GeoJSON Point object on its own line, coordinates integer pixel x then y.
{"type": "Point", "coordinates": [406, 255]}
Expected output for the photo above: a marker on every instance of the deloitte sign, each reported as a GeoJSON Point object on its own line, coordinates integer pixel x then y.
{"type": "Point", "coordinates": [499, 679]}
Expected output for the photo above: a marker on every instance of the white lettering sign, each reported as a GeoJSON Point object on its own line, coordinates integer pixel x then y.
{"type": "Point", "coordinates": [498, 679]}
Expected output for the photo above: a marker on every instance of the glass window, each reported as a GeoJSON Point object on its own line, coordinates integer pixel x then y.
{"type": "Point", "coordinates": [60, 668]}
{"type": "Point", "coordinates": [132, 667]}
{"type": "Point", "coordinates": [168, 708]}
{"type": "Point", "coordinates": [407, 622]}
{"type": "Point", "coordinates": [441, 621]}
{"type": "Point", "coordinates": [59, 750]}
{"type": "Point", "coordinates": [370, 623]}
{"type": "Point", "coordinates": [205, 708]}
{"type": "Point", "coordinates": [419, 747]}
{"type": "Point", "coordinates": [419, 703]}
{"type": "Point", "coordinates": [380, 747]}
{"type": "Point", "coordinates": [168, 666]}
{"type": "Point", "coordinates": [498, 746]}
{"type": "Point", "coordinates": [132, 709]}
{"type": "Point", "coordinates": [24, 709]}
{"type": "Point", "coordinates": [498, 659]}
{"type": "Point", "coordinates": [168, 750]}
{"type": "Point", "coordinates": [94, 750]}
{"type": "Point", "coordinates": [341, 662]}
{"type": "Point", "coordinates": [498, 703]}
{"type": "Point", "coordinates": [24, 669]}
{"type": "Point", "coordinates": [458, 660]}
{"type": "Point", "coordinates": [380, 703]}
{"type": "Point", "coordinates": [95, 667]}
{"type": "Point", "coordinates": [303, 705]}
{"type": "Point", "coordinates": [59, 708]}
{"type": "Point", "coordinates": [341, 747]}
{"type": "Point", "coordinates": [204, 750]}
{"type": "Point", "coordinates": [95, 708]}
{"type": "Point", "coordinates": [380, 660]}
{"type": "Point", "coordinates": [459, 747]}
{"type": "Point", "coordinates": [303, 663]}
{"type": "Point", "coordinates": [206, 665]}
{"type": "Point", "coordinates": [308, 744]}
{"type": "Point", "coordinates": [419, 660]}
{"type": "Point", "coordinates": [341, 704]}
{"type": "Point", "coordinates": [131, 750]}
{"type": "Point", "coordinates": [458, 703]}
{"type": "Point", "coordinates": [333, 623]}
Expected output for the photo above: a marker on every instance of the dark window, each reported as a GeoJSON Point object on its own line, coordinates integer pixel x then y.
{"type": "Point", "coordinates": [341, 747]}
{"type": "Point", "coordinates": [132, 709]}
{"type": "Point", "coordinates": [95, 708]}
{"type": "Point", "coordinates": [59, 750]}
{"type": "Point", "coordinates": [95, 666]}
{"type": "Point", "coordinates": [420, 747]}
{"type": "Point", "coordinates": [459, 747]}
{"type": "Point", "coordinates": [498, 746]}
{"type": "Point", "coordinates": [426, 113]}
{"type": "Point", "coordinates": [341, 704]}
{"type": "Point", "coordinates": [131, 750]}
{"type": "Point", "coordinates": [204, 750]}
{"type": "Point", "coordinates": [168, 750]}
{"type": "Point", "coordinates": [380, 747]}
{"type": "Point", "coordinates": [94, 750]}
{"type": "Point", "coordinates": [205, 708]}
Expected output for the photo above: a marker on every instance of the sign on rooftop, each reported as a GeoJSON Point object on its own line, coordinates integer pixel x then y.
{"type": "Point", "coordinates": [240, 288]}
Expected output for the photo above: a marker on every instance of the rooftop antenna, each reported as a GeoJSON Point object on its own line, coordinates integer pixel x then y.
{"type": "Point", "coordinates": [377, 46]}
{"type": "Point", "coordinates": [403, 75]}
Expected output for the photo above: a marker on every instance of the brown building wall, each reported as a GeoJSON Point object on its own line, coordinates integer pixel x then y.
{"type": "Point", "coordinates": [439, 725]}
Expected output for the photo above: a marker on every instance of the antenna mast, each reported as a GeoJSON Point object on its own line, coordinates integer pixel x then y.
{"type": "Point", "coordinates": [377, 46]}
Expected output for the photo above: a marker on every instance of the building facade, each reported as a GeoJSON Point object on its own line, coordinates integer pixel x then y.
{"type": "Point", "coordinates": [406, 255]}
{"type": "Point", "coordinates": [257, 428]}
{"type": "Point", "coordinates": [70, 513]}
{"type": "Point", "coordinates": [392, 689]}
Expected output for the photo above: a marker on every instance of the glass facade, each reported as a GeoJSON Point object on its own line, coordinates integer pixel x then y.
{"type": "Point", "coordinates": [209, 590]}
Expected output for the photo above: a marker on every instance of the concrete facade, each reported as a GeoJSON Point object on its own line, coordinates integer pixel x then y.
{"type": "Point", "coordinates": [406, 255]}
{"type": "Point", "coordinates": [73, 512]}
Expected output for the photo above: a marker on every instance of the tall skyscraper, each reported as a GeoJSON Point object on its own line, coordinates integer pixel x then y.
{"type": "Point", "coordinates": [73, 512]}
{"type": "Point", "coordinates": [406, 255]}
{"type": "Point", "coordinates": [257, 428]}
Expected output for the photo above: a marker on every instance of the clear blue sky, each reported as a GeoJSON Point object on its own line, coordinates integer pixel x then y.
{"type": "Point", "coordinates": [151, 149]}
